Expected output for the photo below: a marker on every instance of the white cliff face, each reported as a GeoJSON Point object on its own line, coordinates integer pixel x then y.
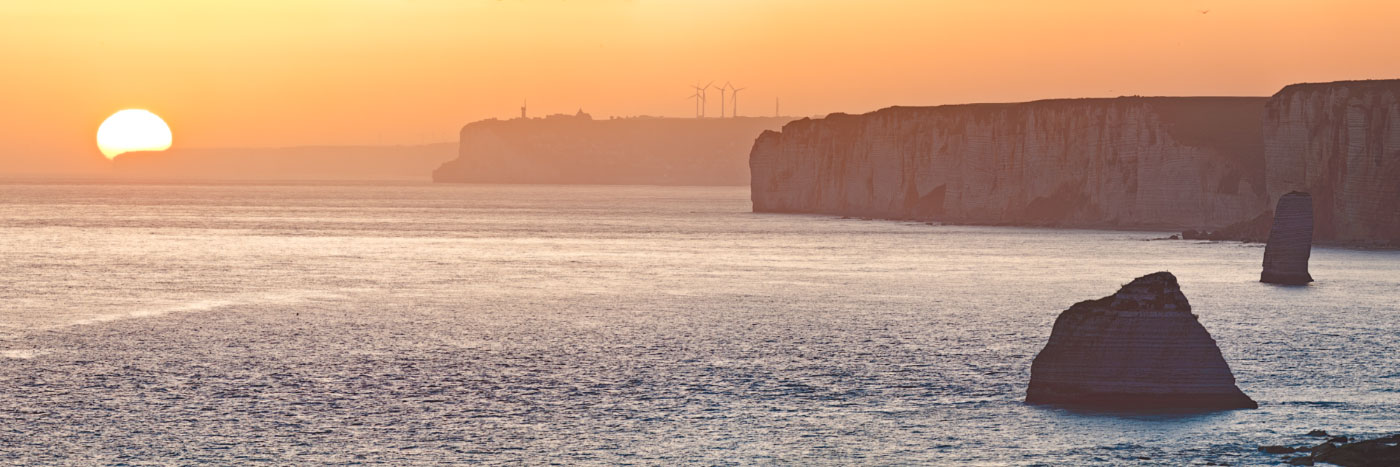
{"type": "Point", "coordinates": [1125, 162]}
{"type": "Point", "coordinates": [1340, 142]}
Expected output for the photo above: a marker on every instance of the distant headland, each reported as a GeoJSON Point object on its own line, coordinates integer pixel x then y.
{"type": "Point", "coordinates": [578, 149]}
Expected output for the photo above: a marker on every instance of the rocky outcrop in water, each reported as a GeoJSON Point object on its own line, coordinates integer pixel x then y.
{"type": "Point", "coordinates": [1138, 349]}
{"type": "Point", "coordinates": [1130, 162]}
{"type": "Point", "coordinates": [1340, 450]}
{"type": "Point", "coordinates": [578, 149]}
{"type": "Point", "coordinates": [1255, 230]}
{"type": "Point", "coordinates": [1290, 241]}
{"type": "Point", "coordinates": [1379, 452]}
{"type": "Point", "coordinates": [1339, 142]}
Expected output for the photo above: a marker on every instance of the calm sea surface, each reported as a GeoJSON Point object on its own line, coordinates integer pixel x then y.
{"type": "Point", "coordinates": [420, 324]}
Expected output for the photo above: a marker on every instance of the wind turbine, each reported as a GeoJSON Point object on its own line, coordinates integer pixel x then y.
{"type": "Point", "coordinates": [703, 94]}
{"type": "Point", "coordinates": [697, 98]}
{"type": "Point", "coordinates": [734, 100]}
{"type": "Point", "coordinates": [721, 98]}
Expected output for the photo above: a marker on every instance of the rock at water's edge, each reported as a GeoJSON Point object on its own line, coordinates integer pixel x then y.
{"type": "Point", "coordinates": [1379, 452]}
{"type": "Point", "coordinates": [1138, 349]}
{"type": "Point", "coordinates": [1290, 241]}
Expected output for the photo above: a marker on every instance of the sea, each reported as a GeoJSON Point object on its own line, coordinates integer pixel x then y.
{"type": "Point", "coordinates": [421, 324]}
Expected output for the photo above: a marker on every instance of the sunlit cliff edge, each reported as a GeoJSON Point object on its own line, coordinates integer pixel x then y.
{"type": "Point", "coordinates": [1131, 162]}
{"type": "Point", "coordinates": [578, 149]}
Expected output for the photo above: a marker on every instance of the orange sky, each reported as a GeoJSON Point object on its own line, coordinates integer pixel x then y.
{"type": "Point", "coordinates": [303, 72]}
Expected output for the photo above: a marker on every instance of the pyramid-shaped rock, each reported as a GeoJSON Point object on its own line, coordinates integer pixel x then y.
{"type": "Point", "coordinates": [1140, 348]}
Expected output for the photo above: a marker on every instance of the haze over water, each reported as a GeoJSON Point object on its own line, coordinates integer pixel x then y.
{"type": "Point", "coordinates": [417, 324]}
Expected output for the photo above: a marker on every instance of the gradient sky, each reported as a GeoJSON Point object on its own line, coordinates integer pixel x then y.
{"type": "Point", "coordinates": [259, 73]}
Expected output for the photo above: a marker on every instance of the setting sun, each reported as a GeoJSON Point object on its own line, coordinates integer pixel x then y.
{"type": "Point", "coordinates": [696, 232]}
{"type": "Point", "coordinates": [132, 130]}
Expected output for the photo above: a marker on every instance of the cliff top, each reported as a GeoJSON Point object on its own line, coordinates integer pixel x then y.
{"type": "Point", "coordinates": [1228, 124]}
{"type": "Point", "coordinates": [1367, 84]}
{"type": "Point", "coordinates": [997, 106]}
{"type": "Point", "coordinates": [561, 120]}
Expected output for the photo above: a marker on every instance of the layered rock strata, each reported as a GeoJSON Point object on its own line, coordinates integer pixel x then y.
{"type": "Point", "coordinates": [1290, 241]}
{"type": "Point", "coordinates": [1130, 162]}
{"type": "Point", "coordinates": [1138, 349]}
{"type": "Point", "coordinates": [1340, 142]}
{"type": "Point", "coordinates": [577, 149]}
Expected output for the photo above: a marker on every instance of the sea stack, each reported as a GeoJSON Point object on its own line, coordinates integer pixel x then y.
{"type": "Point", "coordinates": [1138, 349]}
{"type": "Point", "coordinates": [1290, 241]}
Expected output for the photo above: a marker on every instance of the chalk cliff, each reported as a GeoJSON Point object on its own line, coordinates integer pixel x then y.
{"type": "Point", "coordinates": [1140, 348]}
{"type": "Point", "coordinates": [581, 150]}
{"type": "Point", "coordinates": [1129, 162]}
{"type": "Point", "coordinates": [1340, 142]}
{"type": "Point", "coordinates": [1290, 241]}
